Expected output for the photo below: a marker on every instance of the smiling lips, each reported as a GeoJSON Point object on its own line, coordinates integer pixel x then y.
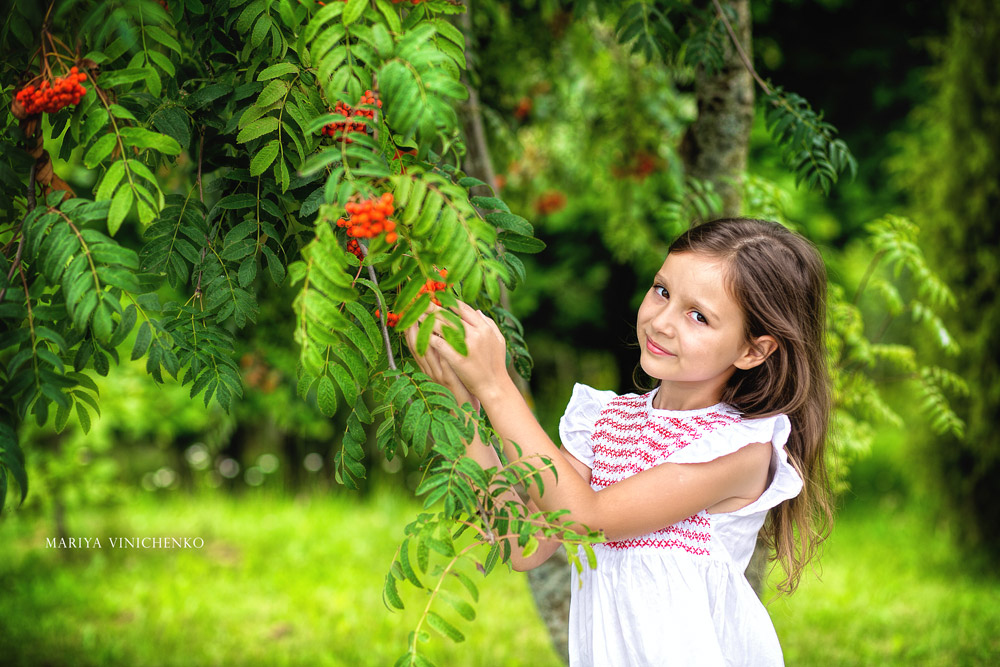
{"type": "Point", "coordinates": [657, 350]}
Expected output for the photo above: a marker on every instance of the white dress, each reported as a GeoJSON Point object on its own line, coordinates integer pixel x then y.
{"type": "Point", "coordinates": [678, 595]}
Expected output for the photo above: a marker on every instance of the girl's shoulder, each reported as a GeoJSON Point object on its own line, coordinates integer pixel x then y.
{"type": "Point", "coordinates": [723, 429]}
{"type": "Point", "coordinates": [585, 400]}
{"type": "Point", "coordinates": [734, 434]}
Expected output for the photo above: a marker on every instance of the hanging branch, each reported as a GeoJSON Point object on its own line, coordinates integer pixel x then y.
{"type": "Point", "coordinates": [20, 239]}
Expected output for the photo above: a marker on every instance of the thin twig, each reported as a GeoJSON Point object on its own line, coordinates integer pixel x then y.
{"type": "Point", "coordinates": [382, 310]}
{"type": "Point", "coordinates": [868, 274]}
{"type": "Point", "coordinates": [739, 47]}
{"type": "Point", "coordinates": [20, 240]}
{"type": "Point", "coordinates": [201, 152]}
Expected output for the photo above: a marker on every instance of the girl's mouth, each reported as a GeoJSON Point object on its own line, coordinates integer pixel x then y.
{"type": "Point", "coordinates": [657, 350]}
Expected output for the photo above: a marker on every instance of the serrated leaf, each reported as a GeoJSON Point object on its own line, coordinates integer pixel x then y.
{"type": "Point", "coordinates": [444, 627]}
{"type": "Point", "coordinates": [273, 92]}
{"type": "Point", "coordinates": [326, 396]}
{"type": "Point", "coordinates": [391, 594]}
{"type": "Point", "coordinates": [464, 609]}
{"type": "Point", "coordinates": [274, 71]}
{"type": "Point", "coordinates": [121, 204]}
{"type": "Point", "coordinates": [99, 151]}
{"type": "Point", "coordinates": [519, 243]}
{"type": "Point", "coordinates": [237, 201]}
{"type": "Point", "coordinates": [142, 138]}
{"type": "Point", "coordinates": [258, 128]}
{"type": "Point", "coordinates": [264, 157]}
{"type": "Point", "coordinates": [353, 11]}
{"type": "Point", "coordinates": [511, 222]}
{"type": "Point", "coordinates": [489, 203]}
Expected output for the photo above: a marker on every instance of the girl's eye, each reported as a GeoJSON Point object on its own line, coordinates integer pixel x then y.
{"type": "Point", "coordinates": [699, 317]}
{"type": "Point", "coordinates": [665, 294]}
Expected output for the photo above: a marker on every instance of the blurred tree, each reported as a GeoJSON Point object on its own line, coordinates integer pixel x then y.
{"type": "Point", "coordinates": [715, 146]}
{"type": "Point", "coordinates": [950, 167]}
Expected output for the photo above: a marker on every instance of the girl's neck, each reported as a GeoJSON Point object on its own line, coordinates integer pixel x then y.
{"type": "Point", "coordinates": [676, 396]}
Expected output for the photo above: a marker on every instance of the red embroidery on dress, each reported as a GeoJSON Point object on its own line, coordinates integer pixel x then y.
{"type": "Point", "coordinates": [629, 439]}
{"type": "Point", "coordinates": [671, 537]}
{"type": "Point", "coordinates": [699, 520]}
{"type": "Point", "coordinates": [662, 544]}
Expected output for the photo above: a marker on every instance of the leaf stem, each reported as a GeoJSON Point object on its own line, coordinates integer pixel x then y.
{"type": "Point", "coordinates": [868, 274]}
{"type": "Point", "coordinates": [383, 311]}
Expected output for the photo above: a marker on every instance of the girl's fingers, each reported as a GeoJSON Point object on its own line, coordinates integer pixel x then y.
{"type": "Point", "coordinates": [436, 367]}
{"type": "Point", "coordinates": [446, 352]}
{"type": "Point", "coordinates": [468, 314]}
{"type": "Point", "coordinates": [496, 330]}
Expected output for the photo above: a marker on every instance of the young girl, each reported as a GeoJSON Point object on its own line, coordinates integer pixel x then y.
{"type": "Point", "coordinates": [681, 479]}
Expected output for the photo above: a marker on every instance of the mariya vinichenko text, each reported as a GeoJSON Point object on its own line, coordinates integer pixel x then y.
{"type": "Point", "coordinates": [125, 542]}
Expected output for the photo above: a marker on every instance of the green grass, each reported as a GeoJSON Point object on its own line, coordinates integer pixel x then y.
{"type": "Point", "coordinates": [298, 582]}
{"type": "Point", "coordinates": [892, 591]}
{"type": "Point", "coordinates": [278, 582]}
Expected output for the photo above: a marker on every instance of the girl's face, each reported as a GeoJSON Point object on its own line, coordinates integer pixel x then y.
{"type": "Point", "coordinates": [691, 332]}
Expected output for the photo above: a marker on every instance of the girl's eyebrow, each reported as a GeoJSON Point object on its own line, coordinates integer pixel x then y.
{"type": "Point", "coordinates": [704, 311]}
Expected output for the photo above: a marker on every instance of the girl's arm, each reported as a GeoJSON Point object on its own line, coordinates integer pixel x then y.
{"type": "Point", "coordinates": [642, 503]}
{"type": "Point", "coordinates": [485, 455]}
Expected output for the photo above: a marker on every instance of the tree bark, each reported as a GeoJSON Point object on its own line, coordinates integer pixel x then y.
{"type": "Point", "coordinates": [716, 145]}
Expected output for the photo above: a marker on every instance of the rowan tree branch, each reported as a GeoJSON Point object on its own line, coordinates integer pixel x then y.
{"type": "Point", "coordinates": [20, 240]}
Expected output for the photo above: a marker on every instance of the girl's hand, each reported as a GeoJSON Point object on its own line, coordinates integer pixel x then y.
{"type": "Point", "coordinates": [432, 364]}
{"type": "Point", "coordinates": [485, 367]}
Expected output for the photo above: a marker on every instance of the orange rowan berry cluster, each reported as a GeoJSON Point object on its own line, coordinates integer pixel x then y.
{"type": "Point", "coordinates": [390, 318]}
{"type": "Point", "coordinates": [344, 128]}
{"type": "Point", "coordinates": [52, 96]}
{"type": "Point", "coordinates": [354, 248]}
{"type": "Point", "coordinates": [435, 286]}
{"type": "Point", "coordinates": [369, 218]}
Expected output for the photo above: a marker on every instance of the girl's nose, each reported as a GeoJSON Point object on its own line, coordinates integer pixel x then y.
{"type": "Point", "coordinates": [663, 322]}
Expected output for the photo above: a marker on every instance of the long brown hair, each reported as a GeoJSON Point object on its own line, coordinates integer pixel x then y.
{"type": "Point", "coordinates": [779, 280]}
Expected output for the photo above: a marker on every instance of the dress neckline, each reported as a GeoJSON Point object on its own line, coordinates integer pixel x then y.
{"type": "Point", "coordinates": [680, 413]}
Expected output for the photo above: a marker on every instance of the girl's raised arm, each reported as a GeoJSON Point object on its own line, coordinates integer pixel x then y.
{"type": "Point", "coordinates": [484, 454]}
{"type": "Point", "coordinates": [642, 503]}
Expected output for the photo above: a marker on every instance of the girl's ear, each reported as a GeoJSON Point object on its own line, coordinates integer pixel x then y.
{"type": "Point", "coordinates": [757, 351]}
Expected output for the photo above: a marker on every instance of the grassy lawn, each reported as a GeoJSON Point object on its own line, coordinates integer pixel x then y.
{"type": "Point", "coordinates": [285, 582]}
{"type": "Point", "coordinates": [892, 591]}
{"type": "Point", "coordinates": [278, 582]}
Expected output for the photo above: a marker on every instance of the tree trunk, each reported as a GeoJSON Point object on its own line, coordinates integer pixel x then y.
{"type": "Point", "coordinates": [716, 145]}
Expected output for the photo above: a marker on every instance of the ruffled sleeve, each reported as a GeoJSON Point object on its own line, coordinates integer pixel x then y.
{"type": "Point", "coordinates": [577, 423]}
{"type": "Point", "coordinates": [786, 482]}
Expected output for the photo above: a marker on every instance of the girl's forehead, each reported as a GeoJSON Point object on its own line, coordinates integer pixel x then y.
{"type": "Point", "coordinates": [697, 267]}
{"type": "Point", "coordinates": [698, 277]}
